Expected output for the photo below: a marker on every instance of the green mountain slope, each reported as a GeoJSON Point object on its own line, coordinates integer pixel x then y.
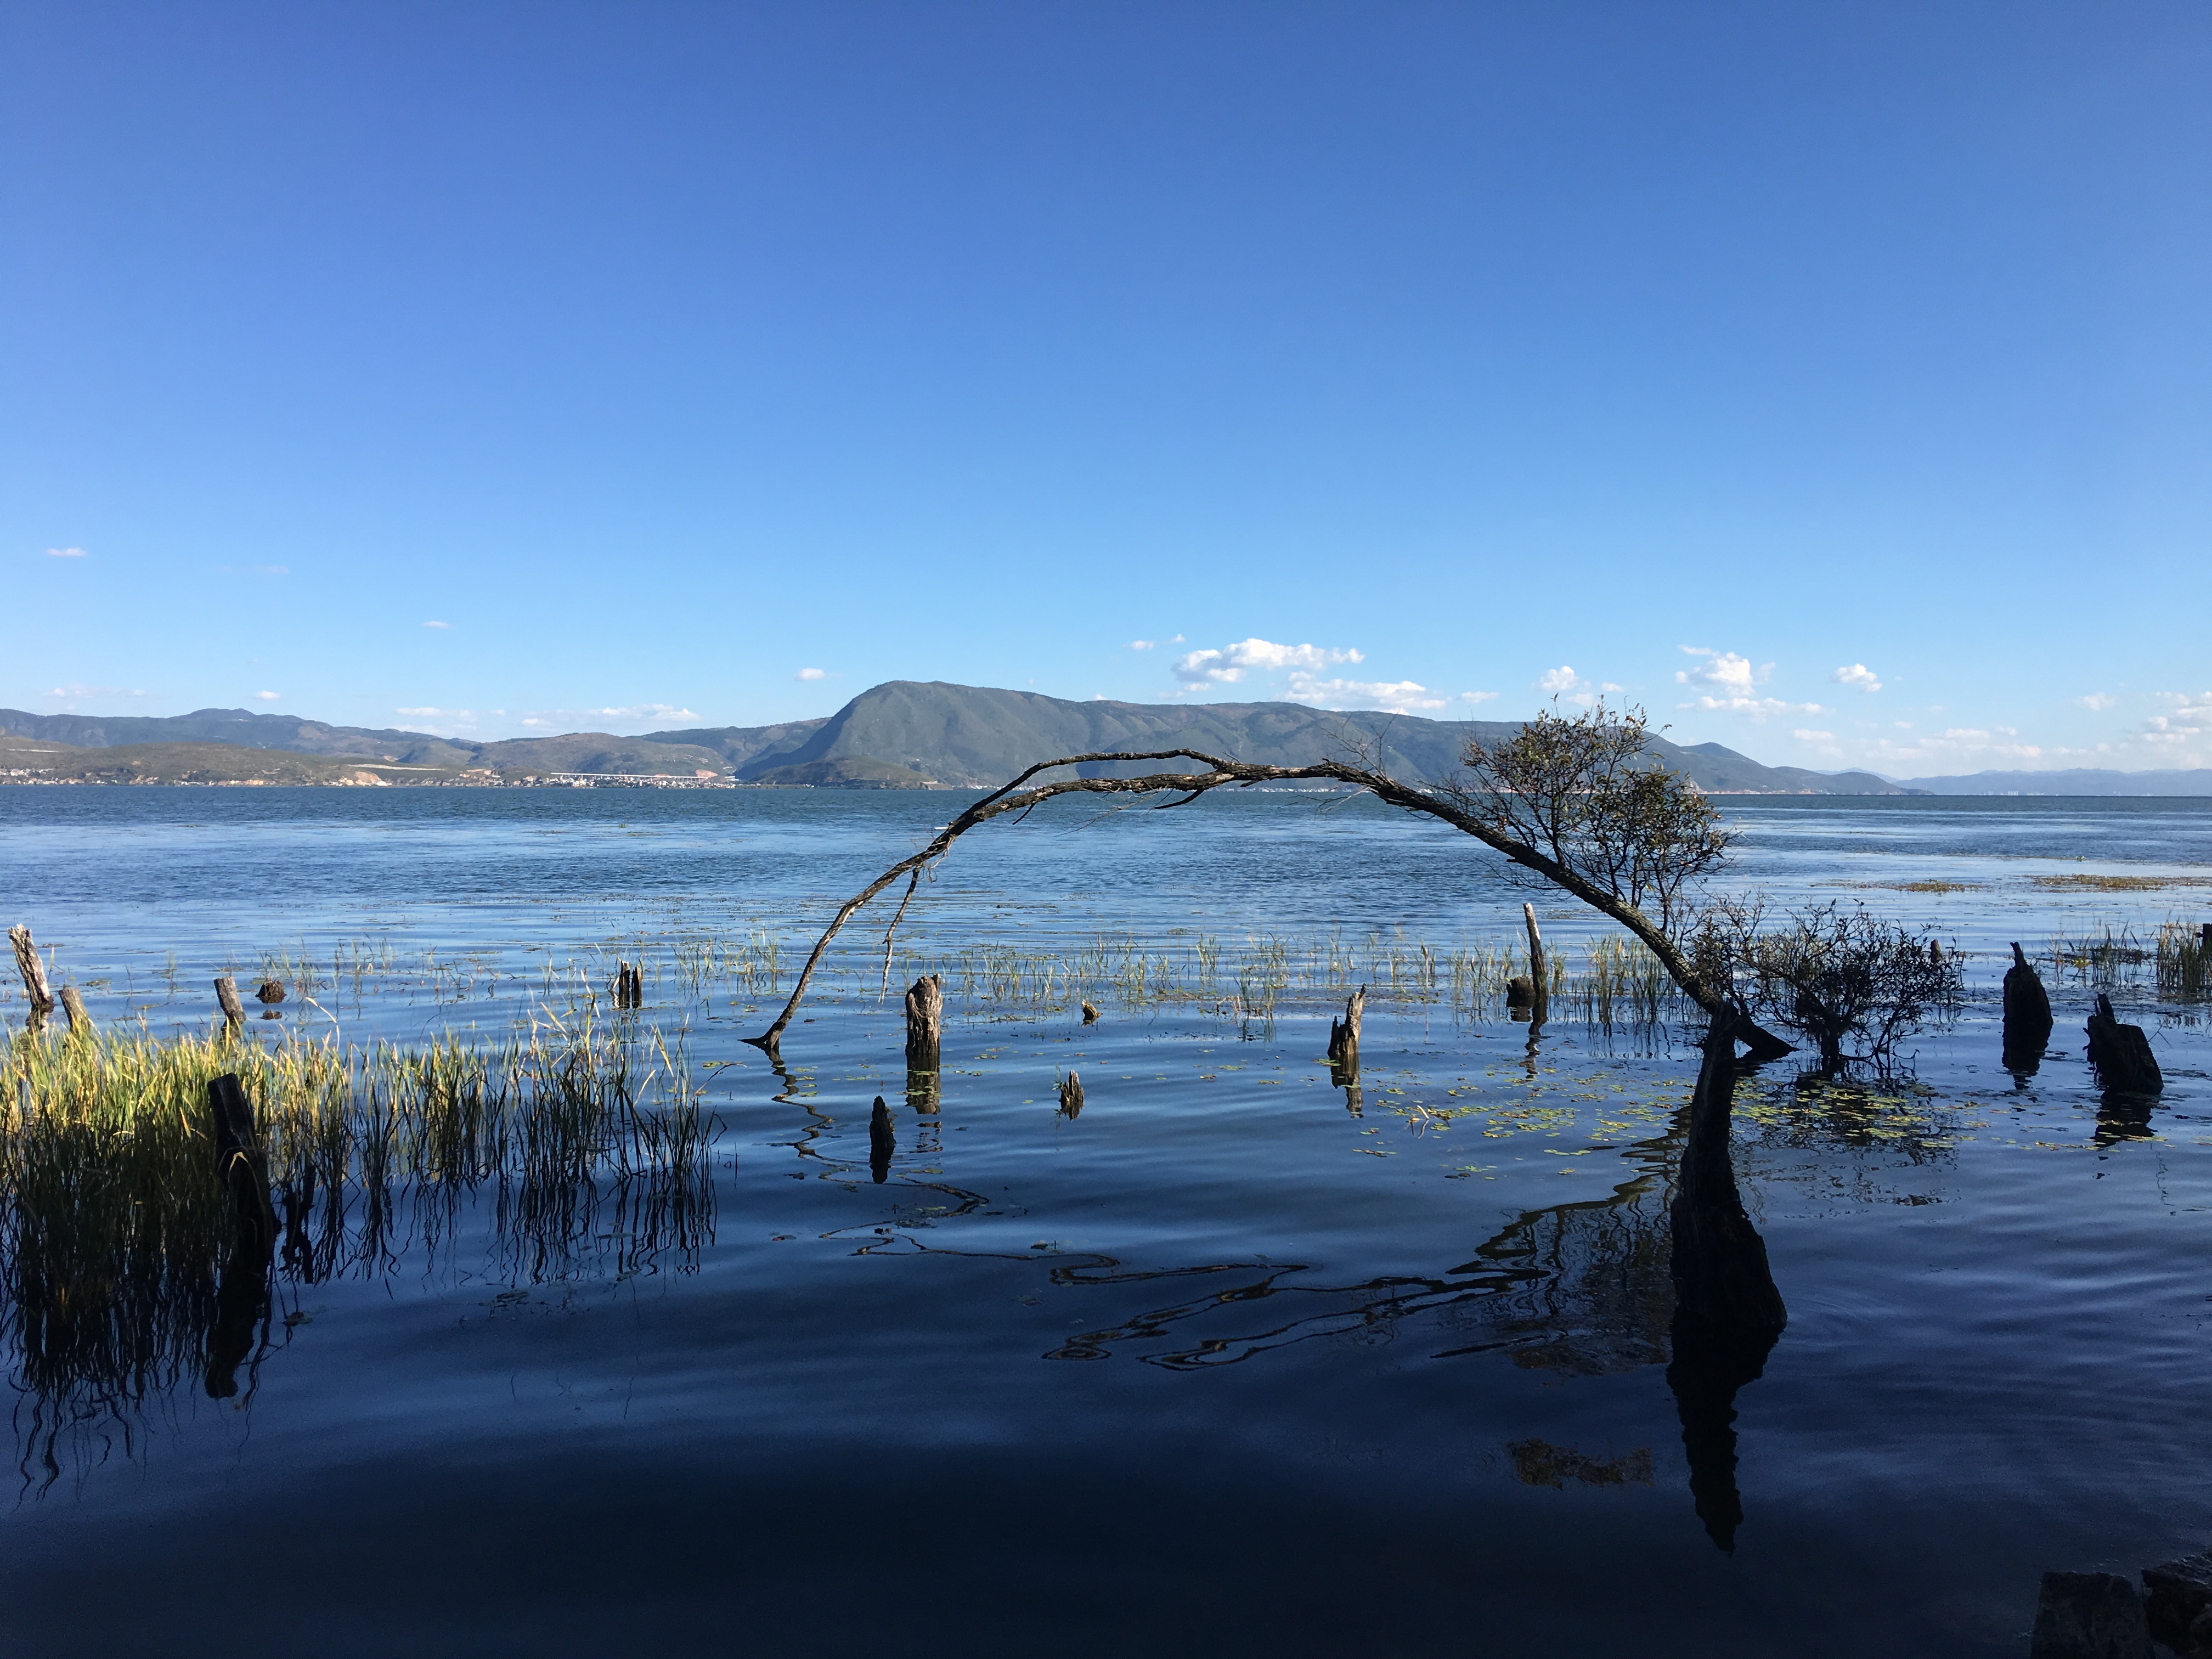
{"type": "Point", "coordinates": [972, 735]}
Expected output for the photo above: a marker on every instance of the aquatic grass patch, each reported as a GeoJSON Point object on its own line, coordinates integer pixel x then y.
{"type": "Point", "coordinates": [123, 1255]}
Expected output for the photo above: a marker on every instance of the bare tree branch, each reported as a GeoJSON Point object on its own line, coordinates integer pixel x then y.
{"type": "Point", "coordinates": [1604, 886]}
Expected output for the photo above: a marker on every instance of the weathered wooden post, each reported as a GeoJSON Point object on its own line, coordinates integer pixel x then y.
{"type": "Point", "coordinates": [2122, 1054]}
{"type": "Point", "coordinates": [242, 1292]}
{"type": "Point", "coordinates": [1344, 1034]}
{"type": "Point", "coordinates": [2026, 1013]}
{"type": "Point", "coordinates": [925, 1024]}
{"type": "Point", "coordinates": [80, 1022]}
{"type": "Point", "coordinates": [34, 974]}
{"type": "Point", "coordinates": [1540, 973]}
{"type": "Point", "coordinates": [883, 1141]}
{"type": "Point", "coordinates": [630, 986]}
{"type": "Point", "coordinates": [1071, 1095]}
{"type": "Point", "coordinates": [233, 1010]}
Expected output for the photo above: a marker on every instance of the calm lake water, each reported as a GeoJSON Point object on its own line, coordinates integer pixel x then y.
{"type": "Point", "coordinates": [1232, 1362]}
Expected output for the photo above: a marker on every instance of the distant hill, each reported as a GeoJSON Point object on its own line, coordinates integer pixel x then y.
{"type": "Point", "coordinates": [972, 736]}
{"type": "Point", "coordinates": [903, 734]}
{"type": "Point", "coordinates": [2077, 781]}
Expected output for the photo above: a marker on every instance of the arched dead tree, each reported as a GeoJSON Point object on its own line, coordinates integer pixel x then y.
{"type": "Point", "coordinates": [1578, 802]}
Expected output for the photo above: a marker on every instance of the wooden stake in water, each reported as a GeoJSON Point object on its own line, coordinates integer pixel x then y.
{"type": "Point", "coordinates": [80, 1022]}
{"type": "Point", "coordinates": [233, 1010]}
{"type": "Point", "coordinates": [1344, 1034]}
{"type": "Point", "coordinates": [238, 1163]}
{"type": "Point", "coordinates": [925, 1023]}
{"type": "Point", "coordinates": [1539, 977]}
{"type": "Point", "coordinates": [34, 972]}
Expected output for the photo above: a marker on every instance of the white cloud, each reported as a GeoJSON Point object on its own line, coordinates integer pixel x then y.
{"type": "Point", "coordinates": [267, 696]}
{"type": "Point", "coordinates": [75, 689]}
{"type": "Point", "coordinates": [65, 553]}
{"type": "Point", "coordinates": [816, 674]}
{"type": "Point", "coordinates": [437, 624]}
{"type": "Point", "coordinates": [1563, 682]}
{"type": "Point", "coordinates": [2098, 701]}
{"type": "Point", "coordinates": [1478, 696]}
{"type": "Point", "coordinates": [443, 713]}
{"type": "Point", "coordinates": [1146, 644]}
{"type": "Point", "coordinates": [1730, 682]}
{"type": "Point", "coordinates": [1804, 736]}
{"type": "Point", "coordinates": [1858, 674]}
{"type": "Point", "coordinates": [1396, 696]}
{"type": "Point", "coordinates": [1233, 662]}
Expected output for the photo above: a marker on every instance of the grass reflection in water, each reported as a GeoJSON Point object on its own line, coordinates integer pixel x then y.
{"type": "Point", "coordinates": [128, 1269]}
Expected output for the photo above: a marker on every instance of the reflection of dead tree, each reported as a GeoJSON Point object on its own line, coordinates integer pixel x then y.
{"type": "Point", "coordinates": [1580, 1288]}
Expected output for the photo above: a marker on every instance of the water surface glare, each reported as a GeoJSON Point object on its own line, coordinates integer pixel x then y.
{"type": "Point", "coordinates": [1235, 1360]}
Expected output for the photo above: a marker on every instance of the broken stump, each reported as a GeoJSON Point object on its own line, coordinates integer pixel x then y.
{"type": "Point", "coordinates": [2122, 1054]}
{"type": "Point", "coordinates": [2026, 1013]}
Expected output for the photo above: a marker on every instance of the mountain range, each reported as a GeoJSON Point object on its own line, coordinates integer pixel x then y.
{"type": "Point", "coordinates": [902, 734]}
{"type": "Point", "coordinates": [905, 734]}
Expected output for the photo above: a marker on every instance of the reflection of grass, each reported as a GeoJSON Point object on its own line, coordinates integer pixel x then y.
{"type": "Point", "coordinates": [115, 1232]}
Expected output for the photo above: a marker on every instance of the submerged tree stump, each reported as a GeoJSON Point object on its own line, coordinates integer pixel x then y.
{"type": "Point", "coordinates": [1071, 1095]}
{"type": "Point", "coordinates": [233, 1010]}
{"type": "Point", "coordinates": [2122, 1054]}
{"type": "Point", "coordinates": [1089, 1014]}
{"type": "Point", "coordinates": [80, 1022]}
{"type": "Point", "coordinates": [1344, 1034]}
{"type": "Point", "coordinates": [1520, 998]}
{"type": "Point", "coordinates": [2026, 1013]}
{"type": "Point", "coordinates": [630, 986]}
{"type": "Point", "coordinates": [34, 972]}
{"type": "Point", "coordinates": [925, 1023]}
{"type": "Point", "coordinates": [269, 991]}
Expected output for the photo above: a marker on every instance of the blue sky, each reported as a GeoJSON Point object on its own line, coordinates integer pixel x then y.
{"type": "Point", "coordinates": [1831, 379]}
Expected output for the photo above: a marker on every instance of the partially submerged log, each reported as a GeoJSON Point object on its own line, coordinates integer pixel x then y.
{"type": "Point", "coordinates": [2026, 1013]}
{"type": "Point", "coordinates": [1071, 1095]}
{"type": "Point", "coordinates": [883, 1141]}
{"type": "Point", "coordinates": [1344, 1034]}
{"type": "Point", "coordinates": [233, 1010]}
{"type": "Point", "coordinates": [34, 972]}
{"type": "Point", "coordinates": [2122, 1054]}
{"type": "Point", "coordinates": [2088, 1615]}
{"type": "Point", "coordinates": [80, 1022]}
{"type": "Point", "coordinates": [925, 1023]}
{"type": "Point", "coordinates": [269, 991]}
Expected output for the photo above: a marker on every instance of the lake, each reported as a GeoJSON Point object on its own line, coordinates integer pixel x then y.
{"type": "Point", "coordinates": [1236, 1360]}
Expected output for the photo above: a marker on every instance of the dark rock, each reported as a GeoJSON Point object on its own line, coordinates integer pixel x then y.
{"type": "Point", "coordinates": [272, 990]}
{"type": "Point", "coordinates": [2089, 1615]}
{"type": "Point", "coordinates": [2180, 1593]}
{"type": "Point", "coordinates": [1520, 992]}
